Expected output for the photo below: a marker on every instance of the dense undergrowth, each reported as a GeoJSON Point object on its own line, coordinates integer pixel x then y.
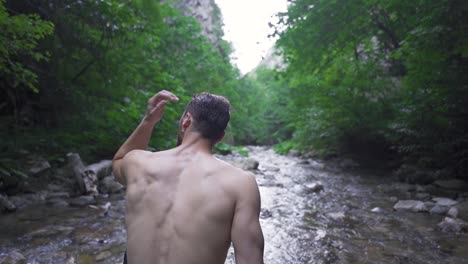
{"type": "Point", "coordinates": [365, 77]}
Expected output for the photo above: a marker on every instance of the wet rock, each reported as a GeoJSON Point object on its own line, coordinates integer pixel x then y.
{"type": "Point", "coordinates": [83, 200]}
{"type": "Point", "coordinates": [442, 201]}
{"type": "Point", "coordinates": [13, 257]}
{"type": "Point", "coordinates": [337, 215]}
{"type": "Point", "coordinates": [462, 210]}
{"type": "Point", "coordinates": [76, 167]}
{"type": "Point", "coordinates": [103, 255]}
{"type": "Point", "coordinates": [245, 163]}
{"type": "Point", "coordinates": [101, 169]}
{"type": "Point", "coordinates": [109, 185]}
{"type": "Point", "coordinates": [294, 153]}
{"type": "Point", "coordinates": [266, 167]}
{"type": "Point", "coordinates": [439, 209]}
{"type": "Point", "coordinates": [314, 187]}
{"type": "Point", "coordinates": [420, 189]}
{"type": "Point", "coordinates": [393, 199]}
{"type": "Point", "coordinates": [452, 212]}
{"type": "Point", "coordinates": [316, 165]}
{"type": "Point", "coordinates": [6, 205]}
{"type": "Point", "coordinates": [429, 204]}
{"type": "Point", "coordinates": [453, 184]}
{"type": "Point", "coordinates": [452, 225]}
{"type": "Point", "coordinates": [411, 205]}
{"type": "Point", "coordinates": [377, 210]}
{"type": "Point", "coordinates": [37, 165]}
{"type": "Point", "coordinates": [265, 213]}
{"type": "Point", "coordinates": [422, 196]}
{"type": "Point", "coordinates": [71, 260]}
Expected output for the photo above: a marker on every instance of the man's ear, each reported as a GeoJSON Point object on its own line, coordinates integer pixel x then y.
{"type": "Point", "coordinates": [187, 120]}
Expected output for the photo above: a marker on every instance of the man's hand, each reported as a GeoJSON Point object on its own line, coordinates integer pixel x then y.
{"type": "Point", "coordinates": [156, 105]}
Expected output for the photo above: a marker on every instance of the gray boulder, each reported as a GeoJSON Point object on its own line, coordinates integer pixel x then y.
{"type": "Point", "coordinates": [452, 212]}
{"type": "Point", "coordinates": [13, 257]}
{"type": "Point", "coordinates": [462, 210]}
{"type": "Point", "coordinates": [411, 205]}
{"type": "Point", "coordinates": [110, 185]}
{"type": "Point", "coordinates": [101, 169]}
{"type": "Point", "coordinates": [442, 201]}
{"type": "Point", "coordinates": [314, 187]}
{"type": "Point", "coordinates": [6, 205]}
{"type": "Point", "coordinates": [245, 163]}
{"type": "Point", "coordinates": [451, 225]}
{"type": "Point", "coordinates": [85, 178]}
{"type": "Point", "coordinates": [37, 165]}
{"type": "Point", "coordinates": [439, 209]}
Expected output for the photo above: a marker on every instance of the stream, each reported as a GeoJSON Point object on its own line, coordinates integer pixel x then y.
{"type": "Point", "coordinates": [350, 221]}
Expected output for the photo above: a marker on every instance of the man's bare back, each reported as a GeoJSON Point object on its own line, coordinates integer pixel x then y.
{"type": "Point", "coordinates": [186, 206]}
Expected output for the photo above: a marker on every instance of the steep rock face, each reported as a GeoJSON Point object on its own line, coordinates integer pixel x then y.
{"type": "Point", "coordinates": [208, 14]}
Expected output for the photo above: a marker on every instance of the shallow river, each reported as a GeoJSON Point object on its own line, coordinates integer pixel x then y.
{"type": "Point", "coordinates": [335, 225]}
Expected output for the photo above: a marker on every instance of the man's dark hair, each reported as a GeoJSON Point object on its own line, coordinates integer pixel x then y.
{"type": "Point", "coordinates": [211, 114]}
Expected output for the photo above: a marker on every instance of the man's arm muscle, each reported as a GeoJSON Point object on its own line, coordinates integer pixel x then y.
{"type": "Point", "coordinates": [246, 233]}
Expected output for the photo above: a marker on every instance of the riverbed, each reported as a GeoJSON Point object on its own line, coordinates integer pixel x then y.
{"type": "Point", "coordinates": [348, 219]}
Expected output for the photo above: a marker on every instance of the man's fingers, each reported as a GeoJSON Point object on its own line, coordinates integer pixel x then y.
{"type": "Point", "coordinates": [168, 96]}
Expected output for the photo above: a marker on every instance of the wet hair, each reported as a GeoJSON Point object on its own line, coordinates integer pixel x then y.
{"type": "Point", "coordinates": [211, 114]}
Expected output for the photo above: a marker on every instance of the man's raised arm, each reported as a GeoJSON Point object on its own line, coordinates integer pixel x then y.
{"type": "Point", "coordinates": [140, 137]}
{"type": "Point", "coordinates": [246, 233]}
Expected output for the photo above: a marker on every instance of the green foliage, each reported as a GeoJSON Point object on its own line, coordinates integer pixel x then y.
{"type": "Point", "coordinates": [224, 149]}
{"type": "Point", "coordinates": [106, 59]}
{"type": "Point", "coordinates": [19, 38]}
{"type": "Point", "coordinates": [376, 75]}
{"type": "Point", "coordinates": [284, 147]}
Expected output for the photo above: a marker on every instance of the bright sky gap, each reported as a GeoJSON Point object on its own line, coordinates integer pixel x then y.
{"type": "Point", "coordinates": [246, 27]}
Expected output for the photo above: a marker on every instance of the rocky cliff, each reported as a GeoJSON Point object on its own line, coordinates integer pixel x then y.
{"type": "Point", "coordinates": [208, 14]}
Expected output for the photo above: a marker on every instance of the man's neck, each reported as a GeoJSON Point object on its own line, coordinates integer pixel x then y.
{"type": "Point", "coordinates": [194, 142]}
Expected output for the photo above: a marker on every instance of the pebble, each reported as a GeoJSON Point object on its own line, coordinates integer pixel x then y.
{"type": "Point", "coordinates": [453, 212]}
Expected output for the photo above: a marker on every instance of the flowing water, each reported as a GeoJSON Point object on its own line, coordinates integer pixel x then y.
{"type": "Point", "coordinates": [335, 225]}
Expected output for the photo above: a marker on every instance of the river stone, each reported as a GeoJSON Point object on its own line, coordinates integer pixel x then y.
{"type": "Point", "coordinates": [83, 200]}
{"type": "Point", "coordinates": [462, 210]}
{"type": "Point", "coordinates": [314, 187]}
{"type": "Point", "coordinates": [439, 209]}
{"type": "Point", "coordinates": [57, 202]}
{"type": "Point", "coordinates": [377, 210]}
{"type": "Point", "coordinates": [103, 255]}
{"type": "Point", "coordinates": [442, 201]}
{"type": "Point", "coordinates": [245, 163]}
{"type": "Point", "coordinates": [109, 185]}
{"type": "Point", "coordinates": [37, 165]}
{"type": "Point", "coordinates": [422, 196]}
{"type": "Point", "coordinates": [6, 205]}
{"type": "Point", "coordinates": [13, 257]}
{"type": "Point", "coordinates": [101, 169]}
{"type": "Point", "coordinates": [453, 184]}
{"type": "Point", "coordinates": [453, 212]}
{"type": "Point", "coordinates": [337, 215]}
{"type": "Point", "coordinates": [452, 225]}
{"type": "Point", "coordinates": [412, 205]}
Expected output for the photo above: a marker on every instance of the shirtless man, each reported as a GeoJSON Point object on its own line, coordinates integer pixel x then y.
{"type": "Point", "coordinates": [183, 204]}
